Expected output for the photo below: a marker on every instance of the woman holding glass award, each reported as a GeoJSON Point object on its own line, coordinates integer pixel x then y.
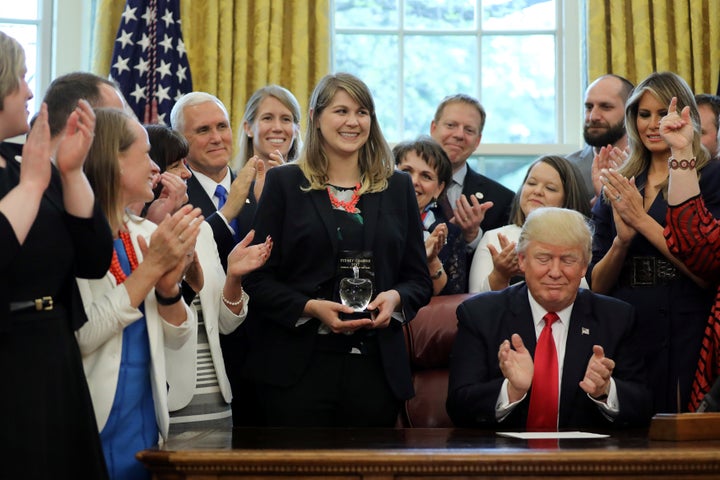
{"type": "Point", "coordinates": [339, 212]}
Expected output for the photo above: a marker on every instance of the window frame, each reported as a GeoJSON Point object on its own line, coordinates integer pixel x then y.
{"type": "Point", "coordinates": [63, 39]}
{"type": "Point", "coordinates": [570, 78]}
{"type": "Point", "coordinates": [43, 24]}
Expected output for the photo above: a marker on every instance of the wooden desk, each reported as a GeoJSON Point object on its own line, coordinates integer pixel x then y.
{"type": "Point", "coordinates": [422, 453]}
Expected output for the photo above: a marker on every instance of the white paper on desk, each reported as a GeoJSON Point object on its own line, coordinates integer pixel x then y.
{"type": "Point", "coordinates": [551, 435]}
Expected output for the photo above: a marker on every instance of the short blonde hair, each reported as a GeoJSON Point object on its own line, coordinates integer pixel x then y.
{"type": "Point", "coordinates": [465, 99]}
{"type": "Point", "coordinates": [557, 226]}
{"type": "Point", "coordinates": [12, 66]}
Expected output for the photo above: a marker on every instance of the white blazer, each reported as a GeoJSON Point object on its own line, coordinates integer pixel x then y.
{"type": "Point", "coordinates": [109, 311]}
{"type": "Point", "coordinates": [182, 363]}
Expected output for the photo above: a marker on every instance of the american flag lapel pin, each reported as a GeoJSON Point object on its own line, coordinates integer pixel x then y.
{"type": "Point", "coordinates": [585, 331]}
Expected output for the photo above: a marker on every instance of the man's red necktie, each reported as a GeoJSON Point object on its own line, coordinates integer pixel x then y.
{"type": "Point", "coordinates": [543, 411]}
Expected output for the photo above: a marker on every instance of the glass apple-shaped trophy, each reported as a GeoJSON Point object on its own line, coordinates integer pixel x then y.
{"type": "Point", "coordinates": [356, 292]}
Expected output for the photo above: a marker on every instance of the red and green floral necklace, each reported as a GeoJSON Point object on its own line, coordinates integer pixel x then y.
{"type": "Point", "coordinates": [349, 206]}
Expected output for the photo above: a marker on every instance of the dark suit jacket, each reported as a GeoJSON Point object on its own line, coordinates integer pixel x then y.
{"type": "Point", "coordinates": [222, 234]}
{"type": "Point", "coordinates": [501, 196]}
{"type": "Point", "coordinates": [303, 262]}
{"type": "Point", "coordinates": [489, 318]}
{"type": "Point", "coordinates": [58, 248]}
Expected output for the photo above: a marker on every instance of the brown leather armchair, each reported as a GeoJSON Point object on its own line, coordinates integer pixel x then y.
{"type": "Point", "coordinates": [429, 337]}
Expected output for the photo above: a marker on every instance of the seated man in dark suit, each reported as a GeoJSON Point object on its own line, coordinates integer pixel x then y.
{"type": "Point", "coordinates": [508, 368]}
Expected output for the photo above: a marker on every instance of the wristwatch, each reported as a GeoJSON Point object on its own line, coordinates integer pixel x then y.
{"type": "Point", "coordinates": [169, 300]}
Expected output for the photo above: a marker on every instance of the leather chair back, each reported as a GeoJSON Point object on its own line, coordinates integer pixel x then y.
{"type": "Point", "coordinates": [430, 336]}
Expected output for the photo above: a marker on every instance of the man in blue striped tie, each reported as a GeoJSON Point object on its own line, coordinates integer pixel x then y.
{"type": "Point", "coordinates": [203, 120]}
{"type": "Point", "coordinates": [221, 195]}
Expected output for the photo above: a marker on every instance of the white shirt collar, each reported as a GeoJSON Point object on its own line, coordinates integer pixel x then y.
{"type": "Point", "coordinates": [538, 312]}
{"type": "Point", "coordinates": [209, 185]}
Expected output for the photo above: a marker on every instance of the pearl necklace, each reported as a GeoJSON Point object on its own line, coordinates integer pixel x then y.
{"type": "Point", "coordinates": [349, 206]}
{"type": "Point", "coordinates": [115, 267]}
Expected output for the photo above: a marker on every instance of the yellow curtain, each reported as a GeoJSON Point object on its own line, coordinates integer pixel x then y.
{"type": "Point", "coordinates": [634, 38]}
{"type": "Point", "coordinates": [237, 46]}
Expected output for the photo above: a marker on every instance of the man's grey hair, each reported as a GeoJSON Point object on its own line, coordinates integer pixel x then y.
{"type": "Point", "coordinates": [177, 115]}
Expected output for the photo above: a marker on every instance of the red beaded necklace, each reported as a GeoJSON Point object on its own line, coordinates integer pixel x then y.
{"type": "Point", "coordinates": [351, 205]}
{"type": "Point", "coordinates": [115, 267]}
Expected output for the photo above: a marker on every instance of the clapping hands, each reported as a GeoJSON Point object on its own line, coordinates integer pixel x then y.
{"type": "Point", "coordinates": [76, 139]}
{"type": "Point", "coordinates": [608, 157]}
{"type": "Point", "coordinates": [436, 241]}
{"type": "Point", "coordinates": [468, 215]}
{"type": "Point", "coordinates": [505, 263]}
{"type": "Point", "coordinates": [36, 168]}
{"type": "Point", "coordinates": [517, 366]}
{"type": "Point", "coordinates": [243, 259]}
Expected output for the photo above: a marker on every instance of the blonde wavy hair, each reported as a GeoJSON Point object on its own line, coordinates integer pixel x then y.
{"type": "Point", "coordinates": [663, 86]}
{"type": "Point", "coordinates": [12, 66]}
{"type": "Point", "coordinates": [375, 157]}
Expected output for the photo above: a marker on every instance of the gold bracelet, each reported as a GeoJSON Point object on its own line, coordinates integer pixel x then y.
{"type": "Point", "coordinates": [228, 302]}
{"type": "Point", "coordinates": [682, 164]}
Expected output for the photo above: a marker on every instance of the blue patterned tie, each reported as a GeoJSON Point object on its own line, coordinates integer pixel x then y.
{"type": "Point", "coordinates": [221, 194]}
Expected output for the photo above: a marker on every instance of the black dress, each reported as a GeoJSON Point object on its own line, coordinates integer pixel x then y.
{"type": "Point", "coordinates": [672, 310]}
{"type": "Point", "coordinates": [48, 425]}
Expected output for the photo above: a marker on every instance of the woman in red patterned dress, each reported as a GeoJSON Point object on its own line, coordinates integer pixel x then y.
{"type": "Point", "coordinates": [693, 235]}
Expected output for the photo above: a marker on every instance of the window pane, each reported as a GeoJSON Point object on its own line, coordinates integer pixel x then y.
{"type": "Point", "coordinates": [509, 170]}
{"type": "Point", "coordinates": [367, 14]}
{"type": "Point", "coordinates": [361, 55]}
{"type": "Point", "coordinates": [27, 36]}
{"type": "Point", "coordinates": [518, 14]}
{"type": "Point", "coordinates": [22, 9]}
{"type": "Point", "coordinates": [501, 51]}
{"type": "Point", "coordinates": [434, 67]}
{"type": "Point", "coordinates": [440, 14]}
{"type": "Point", "coordinates": [518, 89]}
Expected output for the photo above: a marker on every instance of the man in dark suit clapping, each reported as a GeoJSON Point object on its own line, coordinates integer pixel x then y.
{"type": "Point", "coordinates": [203, 120]}
{"type": "Point", "coordinates": [475, 202]}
